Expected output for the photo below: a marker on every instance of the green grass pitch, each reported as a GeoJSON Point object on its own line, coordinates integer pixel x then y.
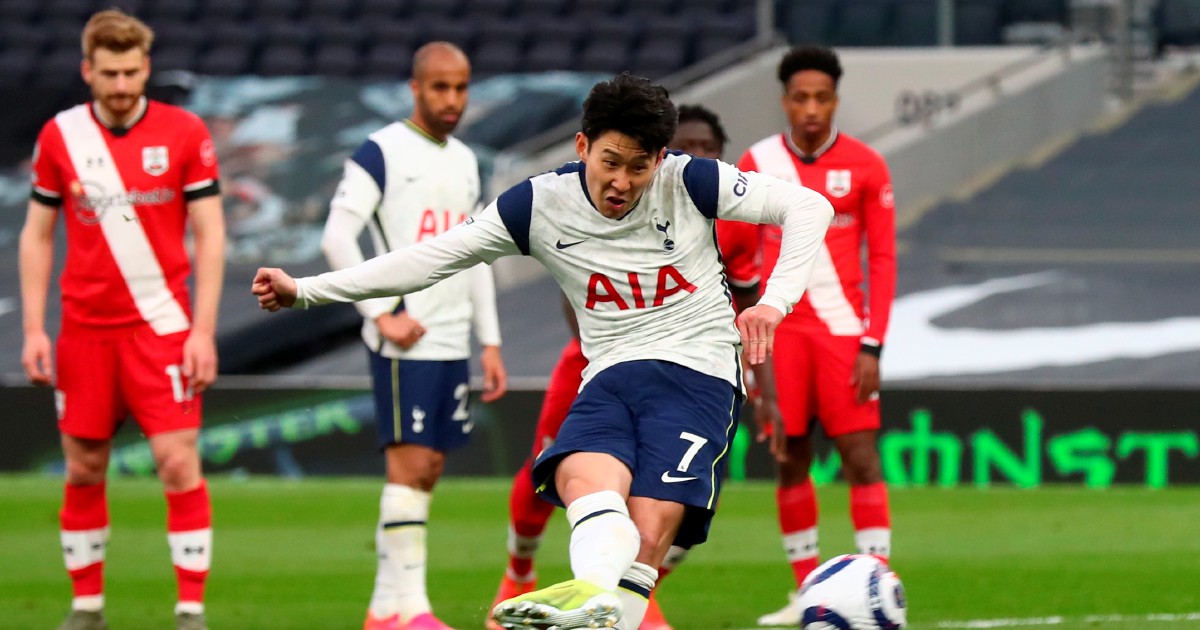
{"type": "Point", "coordinates": [299, 555]}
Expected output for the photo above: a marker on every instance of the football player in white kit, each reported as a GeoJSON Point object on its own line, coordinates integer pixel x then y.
{"type": "Point", "coordinates": [628, 233]}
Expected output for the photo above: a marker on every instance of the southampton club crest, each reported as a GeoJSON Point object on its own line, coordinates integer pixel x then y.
{"type": "Point", "coordinates": [837, 183]}
{"type": "Point", "coordinates": [154, 160]}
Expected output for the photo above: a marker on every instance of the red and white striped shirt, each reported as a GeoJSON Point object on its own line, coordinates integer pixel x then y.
{"type": "Point", "coordinates": [854, 178]}
{"type": "Point", "coordinates": [124, 195]}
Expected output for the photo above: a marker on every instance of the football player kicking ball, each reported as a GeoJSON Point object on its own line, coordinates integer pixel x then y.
{"type": "Point", "coordinates": [700, 134]}
{"type": "Point", "coordinates": [628, 234]}
{"type": "Point", "coordinates": [127, 176]}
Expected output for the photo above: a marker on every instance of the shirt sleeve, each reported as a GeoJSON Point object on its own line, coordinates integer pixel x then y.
{"type": "Point", "coordinates": [483, 305]}
{"type": "Point", "coordinates": [480, 239]}
{"type": "Point", "coordinates": [879, 218]}
{"type": "Point", "coordinates": [803, 214]}
{"type": "Point", "coordinates": [200, 176]}
{"type": "Point", "coordinates": [47, 180]}
{"type": "Point", "coordinates": [739, 245]}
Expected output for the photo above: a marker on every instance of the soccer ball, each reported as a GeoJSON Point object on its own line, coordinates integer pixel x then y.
{"type": "Point", "coordinates": [852, 592]}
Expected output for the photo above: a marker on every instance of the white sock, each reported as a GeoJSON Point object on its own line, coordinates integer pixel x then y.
{"type": "Point", "coordinates": [400, 545]}
{"type": "Point", "coordinates": [604, 541]}
{"type": "Point", "coordinates": [191, 608]}
{"type": "Point", "coordinates": [88, 603]}
{"type": "Point", "coordinates": [635, 594]}
{"type": "Point", "coordinates": [874, 540]}
{"type": "Point", "coordinates": [675, 555]}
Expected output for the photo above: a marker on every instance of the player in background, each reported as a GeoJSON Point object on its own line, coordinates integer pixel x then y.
{"type": "Point", "coordinates": [699, 133]}
{"type": "Point", "coordinates": [827, 350]}
{"type": "Point", "coordinates": [127, 176]}
{"type": "Point", "coordinates": [628, 234]}
{"type": "Point", "coordinates": [408, 183]}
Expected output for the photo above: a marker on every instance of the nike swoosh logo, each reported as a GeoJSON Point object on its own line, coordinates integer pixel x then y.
{"type": "Point", "coordinates": [667, 478]}
{"type": "Point", "coordinates": [562, 245]}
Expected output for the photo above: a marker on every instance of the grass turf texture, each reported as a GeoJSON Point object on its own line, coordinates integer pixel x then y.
{"type": "Point", "coordinates": [299, 554]}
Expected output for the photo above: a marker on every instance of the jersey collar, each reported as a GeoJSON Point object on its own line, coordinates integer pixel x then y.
{"type": "Point", "coordinates": [807, 158]}
{"type": "Point", "coordinates": [143, 106]}
{"type": "Point", "coordinates": [421, 132]}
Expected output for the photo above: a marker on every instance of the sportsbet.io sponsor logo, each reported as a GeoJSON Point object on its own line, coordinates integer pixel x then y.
{"type": "Point", "coordinates": [92, 200]}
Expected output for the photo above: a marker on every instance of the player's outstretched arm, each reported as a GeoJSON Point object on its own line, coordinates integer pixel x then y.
{"type": "Point", "coordinates": [274, 288]}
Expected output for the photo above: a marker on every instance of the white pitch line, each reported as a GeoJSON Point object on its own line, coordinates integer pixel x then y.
{"type": "Point", "coordinates": [1055, 620]}
{"type": "Point", "coordinates": [1059, 620]}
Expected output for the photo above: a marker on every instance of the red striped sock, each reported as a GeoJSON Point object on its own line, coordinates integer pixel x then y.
{"type": "Point", "coordinates": [529, 516]}
{"type": "Point", "coordinates": [84, 522]}
{"type": "Point", "coordinates": [189, 532]}
{"type": "Point", "coordinates": [798, 522]}
{"type": "Point", "coordinates": [872, 519]}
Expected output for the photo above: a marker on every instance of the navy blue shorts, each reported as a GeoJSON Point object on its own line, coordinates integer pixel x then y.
{"type": "Point", "coordinates": [421, 402]}
{"type": "Point", "coordinates": [670, 425]}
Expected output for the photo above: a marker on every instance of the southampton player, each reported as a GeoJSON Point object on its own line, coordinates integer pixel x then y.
{"type": "Point", "coordinates": [827, 350]}
{"type": "Point", "coordinates": [628, 234]}
{"type": "Point", "coordinates": [408, 183]}
{"type": "Point", "coordinates": [700, 134]}
{"type": "Point", "coordinates": [127, 176]}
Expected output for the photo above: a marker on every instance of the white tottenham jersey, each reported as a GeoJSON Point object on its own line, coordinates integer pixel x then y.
{"type": "Point", "coordinates": [406, 188]}
{"type": "Point", "coordinates": [647, 286]}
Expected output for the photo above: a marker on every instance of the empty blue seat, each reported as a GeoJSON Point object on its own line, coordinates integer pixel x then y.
{"type": "Point", "coordinates": [419, 9]}
{"type": "Point", "coordinates": [809, 21]}
{"type": "Point", "coordinates": [18, 36]}
{"type": "Point", "coordinates": [665, 27]}
{"type": "Point", "coordinates": [178, 10]}
{"type": "Point", "coordinates": [17, 65]}
{"type": "Point", "coordinates": [864, 23]}
{"type": "Point", "coordinates": [319, 11]}
{"type": "Point", "coordinates": [273, 10]}
{"type": "Point", "coordinates": [1034, 11]}
{"type": "Point", "coordinates": [60, 67]}
{"type": "Point", "coordinates": [386, 32]}
{"type": "Point", "coordinates": [282, 61]}
{"type": "Point", "coordinates": [334, 33]}
{"type": "Point", "coordinates": [381, 10]}
{"type": "Point", "coordinates": [18, 11]}
{"type": "Point", "coordinates": [514, 31]}
{"type": "Point", "coordinates": [175, 58]}
{"type": "Point", "coordinates": [226, 60]}
{"type": "Point", "coordinates": [654, 7]}
{"type": "Point", "coordinates": [67, 10]}
{"type": "Point", "coordinates": [461, 33]}
{"type": "Point", "coordinates": [496, 57]}
{"type": "Point", "coordinates": [595, 7]}
{"type": "Point", "coordinates": [603, 56]}
{"type": "Point", "coordinates": [229, 10]}
{"type": "Point", "coordinates": [486, 9]}
{"type": "Point", "coordinates": [546, 55]}
{"type": "Point", "coordinates": [298, 34]}
{"type": "Point", "coordinates": [1178, 22]}
{"type": "Point", "coordinates": [177, 34]}
{"type": "Point", "coordinates": [239, 34]}
{"type": "Point", "coordinates": [658, 58]}
{"type": "Point", "coordinates": [915, 23]}
{"type": "Point", "coordinates": [539, 8]}
{"type": "Point", "coordinates": [977, 23]}
{"type": "Point", "coordinates": [336, 61]}
{"type": "Point", "coordinates": [547, 29]}
{"type": "Point", "coordinates": [388, 61]}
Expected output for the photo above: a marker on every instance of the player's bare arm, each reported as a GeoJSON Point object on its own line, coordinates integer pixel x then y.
{"type": "Point", "coordinates": [36, 263]}
{"type": "Point", "coordinates": [495, 377]}
{"type": "Point", "coordinates": [768, 420]}
{"type": "Point", "coordinates": [400, 328]}
{"type": "Point", "coordinates": [200, 350]}
{"type": "Point", "coordinates": [866, 376]}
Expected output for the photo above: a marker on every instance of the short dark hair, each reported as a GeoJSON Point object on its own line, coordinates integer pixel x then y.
{"type": "Point", "coordinates": [633, 106]}
{"type": "Point", "coordinates": [700, 113]}
{"type": "Point", "coordinates": [803, 58]}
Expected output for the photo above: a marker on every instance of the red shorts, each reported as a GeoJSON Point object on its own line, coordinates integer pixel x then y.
{"type": "Point", "coordinates": [812, 380]}
{"type": "Point", "coordinates": [565, 379]}
{"type": "Point", "coordinates": [103, 378]}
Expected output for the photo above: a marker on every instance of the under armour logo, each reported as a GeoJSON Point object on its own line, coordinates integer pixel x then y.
{"type": "Point", "coordinates": [187, 551]}
{"type": "Point", "coordinates": [69, 550]}
{"type": "Point", "coordinates": [94, 162]}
